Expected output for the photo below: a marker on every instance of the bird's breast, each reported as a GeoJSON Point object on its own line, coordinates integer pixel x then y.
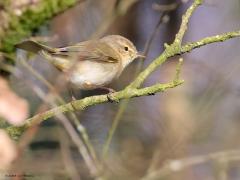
{"type": "Point", "coordinates": [91, 74]}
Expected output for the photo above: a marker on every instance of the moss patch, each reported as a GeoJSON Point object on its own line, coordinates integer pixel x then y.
{"type": "Point", "coordinates": [22, 26]}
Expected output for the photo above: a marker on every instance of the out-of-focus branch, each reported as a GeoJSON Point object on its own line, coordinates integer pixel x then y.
{"type": "Point", "coordinates": [180, 164]}
{"type": "Point", "coordinates": [80, 128]}
{"type": "Point", "coordinates": [168, 7]}
{"type": "Point", "coordinates": [82, 148]}
{"type": "Point", "coordinates": [19, 20]}
{"type": "Point", "coordinates": [120, 8]}
{"type": "Point", "coordinates": [133, 89]}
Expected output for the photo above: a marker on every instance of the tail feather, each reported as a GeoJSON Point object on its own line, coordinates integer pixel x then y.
{"type": "Point", "coordinates": [35, 47]}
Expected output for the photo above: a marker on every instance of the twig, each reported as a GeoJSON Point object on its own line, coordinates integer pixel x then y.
{"type": "Point", "coordinates": [92, 166]}
{"type": "Point", "coordinates": [178, 69]}
{"type": "Point", "coordinates": [25, 140]}
{"type": "Point", "coordinates": [120, 8]}
{"type": "Point", "coordinates": [181, 164]}
{"type": "Point", "coordinates": [78, 125]}
{"type": "Point", "coordinates": [66, 155]}
{"type": "Point", "coordinates": [91, 163]}
{"type": "Point", "coordinates": [167, 7]}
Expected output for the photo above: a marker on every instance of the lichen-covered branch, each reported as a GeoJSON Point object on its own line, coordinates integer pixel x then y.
{"type": "Point", "coordinates": [171, 50]}
{"type": "Point", "coordinates": [209, 40]}
{"type": "Point", "coordinates": [185, 20]}
{"type": "Point", "coordinates": [17, 21]}
{"type": "Point", "coordinates": [90, 101]}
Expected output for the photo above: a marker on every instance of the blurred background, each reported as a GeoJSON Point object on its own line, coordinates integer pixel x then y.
{"type": "Point", "coordinates": [191, 122]}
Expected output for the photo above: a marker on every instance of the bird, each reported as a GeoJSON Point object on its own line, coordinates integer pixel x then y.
{"type": "Point", "coordinates": [91, 64]}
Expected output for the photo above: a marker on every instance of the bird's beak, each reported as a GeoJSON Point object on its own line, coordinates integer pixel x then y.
{"type": "Point", "coordinates": [140, 56]}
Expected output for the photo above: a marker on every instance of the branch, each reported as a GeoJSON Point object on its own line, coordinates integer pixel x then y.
{"type": "Point", "coordinates": [185, 20]}
{"type": "Point", "coordinates": [19, 21]}
{"type": "Point", "coordinates": [180, 164]}
{"type": "Point", "coordinates": [90, 101]}
{"type": "Point", "coordinates": [209, 40]}
{"type": "Point", "coordinates": [171, 50]}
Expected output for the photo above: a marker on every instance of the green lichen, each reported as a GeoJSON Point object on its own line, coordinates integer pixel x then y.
{"type": "Point", "coordinates": [15, 132]}
{"type": "Point", "coordinates": [22, 26]}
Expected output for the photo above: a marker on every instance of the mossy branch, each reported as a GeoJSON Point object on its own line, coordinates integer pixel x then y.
{"type": "Point", "coordinates": [18, 27]}
{"type": "Point", "coordinates": [134, 90]}
{"type": "Point", "coordinates": [90, 101]}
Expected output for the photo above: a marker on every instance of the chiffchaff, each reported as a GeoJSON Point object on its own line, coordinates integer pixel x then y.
{"type": "Point", "coordinates": [93, 63]}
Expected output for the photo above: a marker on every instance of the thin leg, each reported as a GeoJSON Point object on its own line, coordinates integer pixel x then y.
{"type": "Point", "coordinates": [110, 90]}
{"type": "Point", "coordinates": [71, 93]}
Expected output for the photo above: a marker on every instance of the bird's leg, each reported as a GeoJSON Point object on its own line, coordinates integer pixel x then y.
{"type": "Point", "coordinates": [71, 93]}
{"type": "Point", "coordinates": [110, 92]}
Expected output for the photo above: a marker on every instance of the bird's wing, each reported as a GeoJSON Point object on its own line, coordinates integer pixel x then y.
{"type": "Point", "coordinates": [90, 51]}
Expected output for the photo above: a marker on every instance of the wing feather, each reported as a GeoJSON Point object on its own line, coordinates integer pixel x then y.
{"type": "Point", "coordinates": [90, 51]}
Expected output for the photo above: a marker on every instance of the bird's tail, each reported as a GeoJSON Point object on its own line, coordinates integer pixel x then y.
{"type": "Point", "coordinates": [34, 47]}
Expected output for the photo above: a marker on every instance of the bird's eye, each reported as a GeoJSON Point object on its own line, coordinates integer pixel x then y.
{"type": "Point", "coordinates": [126, 48]}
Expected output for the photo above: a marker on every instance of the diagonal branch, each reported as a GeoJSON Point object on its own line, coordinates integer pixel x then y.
{"type": "Point", "coordinates": [178, 165]}
{"type": "Point", "coordinates": [185, 20]}
{"type": "Point", "coordinates": [170, 49]}
{"type": "Point", "coordinates": [90, 101]}
{"type": "Point", "coordinates": [209, 40]}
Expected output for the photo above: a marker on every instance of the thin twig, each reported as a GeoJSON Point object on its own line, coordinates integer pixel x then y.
{"type": "Point", "coordinates": [120, 8]}
{"type": "Point", "coordinates": [66, 155]}
{"type": "Point", "coordinates": [181, 164]}
{"type": "Point", "coordinates": [77, 123]}
{"type": "Point", "coordinates": [92, 166]}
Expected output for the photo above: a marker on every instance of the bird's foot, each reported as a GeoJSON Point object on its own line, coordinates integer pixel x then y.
{"type": "Point", "coordinates": [71, 93]}
{"type": "Point", "coordinates": [110, 96]}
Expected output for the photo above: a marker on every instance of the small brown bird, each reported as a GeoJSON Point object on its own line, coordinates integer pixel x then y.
{"type": "Point", "coordinates": [93, 64]}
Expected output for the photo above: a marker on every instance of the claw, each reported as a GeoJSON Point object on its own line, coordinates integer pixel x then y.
{"type": "Point", "coordinates": [110, 98]}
